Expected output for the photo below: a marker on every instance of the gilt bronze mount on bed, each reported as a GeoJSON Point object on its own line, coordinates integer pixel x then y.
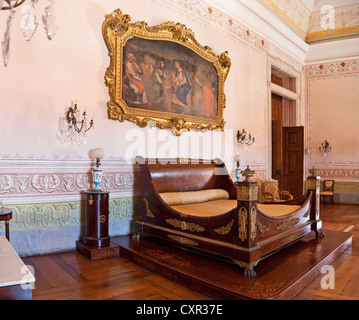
{"type": "Point", "coordinates": [161, 74]}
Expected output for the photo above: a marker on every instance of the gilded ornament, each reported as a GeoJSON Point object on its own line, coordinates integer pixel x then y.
{"type": "Point", "coordinates": [253, 233]}
{"type": "Point", "coordinates": [285, 225]}
{"type": "Point", "coordinates": [262, 228]}
{"type": "Point", "coordinates": [185, 225]}
{"type": "Point", "coordinates": [247, 193]}
{"type": "Point", "coordinates": [148, 211]}
{"type": "Point", "coordinates": [224, 230]}
{"type": "Point", "coordinates": [182, 240]}
{"type": "Point", "coordinates": [311, 183]}
{"type": "Point", "coordinates": [242, 228]}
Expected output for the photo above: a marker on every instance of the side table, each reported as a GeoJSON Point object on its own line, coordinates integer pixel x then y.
{"type": "Point", "coordinates": [6, 215]}
{"type": "Point", "coordinates": [96, 243]}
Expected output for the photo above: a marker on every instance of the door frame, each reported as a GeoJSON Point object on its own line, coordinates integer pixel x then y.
{"type": "Point", "coordinates": [293, 70]}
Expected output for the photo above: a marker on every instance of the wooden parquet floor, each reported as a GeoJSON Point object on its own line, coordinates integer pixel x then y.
{"type": "Point", "coordinates": [71, 276]}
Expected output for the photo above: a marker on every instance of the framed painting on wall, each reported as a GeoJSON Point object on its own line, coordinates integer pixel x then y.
{"type": "Point", "coordinates": [162, 74]}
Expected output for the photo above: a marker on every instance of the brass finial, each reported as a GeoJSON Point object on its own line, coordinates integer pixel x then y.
{"type": "Point", "coordinates": [313, 172]}
{"type": "Point", "coordinates": [248, 173]}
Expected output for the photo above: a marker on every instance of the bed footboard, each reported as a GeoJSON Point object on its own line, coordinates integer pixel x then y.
{"type": "Point", "coordinates": [263, 234]}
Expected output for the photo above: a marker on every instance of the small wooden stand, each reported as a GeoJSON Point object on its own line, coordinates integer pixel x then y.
{"type": "Point", "coordinates": [6, 215]}
{"type": "Point", "coordinates": [96, 243]}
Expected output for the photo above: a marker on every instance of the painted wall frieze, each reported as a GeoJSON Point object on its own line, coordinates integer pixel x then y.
{"type": "Point", "coordinates": [58, 183]}
{"type": "Point", "coordinates": [332, 68]}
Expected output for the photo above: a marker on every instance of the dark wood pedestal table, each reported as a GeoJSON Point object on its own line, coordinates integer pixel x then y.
{"type": "Point", "coordinates": [96, 243]}
{"type": "Point", "coordinates": [6, 215]}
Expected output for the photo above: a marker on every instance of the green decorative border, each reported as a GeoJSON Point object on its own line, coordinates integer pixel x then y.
{"type": "Point", "coordinates": [65, 214]}
{"type": "Point", "coordinates": [342, 186]}
{"type": "Point", "coordinates": [346, 186]}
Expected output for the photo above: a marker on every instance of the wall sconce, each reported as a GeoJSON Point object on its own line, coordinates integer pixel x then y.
{"type": "Point", "coordinates": [325, 148]}
{"type": "Point", "coordinates": [237, 170]}
{"type": "Point", "coordinates": [244, 138]}
{"type": "Point", "coordinates": [97, 154]}
{"type": "Point", "coordinates": [71, 129]}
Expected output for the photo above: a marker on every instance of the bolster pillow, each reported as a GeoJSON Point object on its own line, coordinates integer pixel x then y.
{"type": "Point", "coordinates": [190, 197]}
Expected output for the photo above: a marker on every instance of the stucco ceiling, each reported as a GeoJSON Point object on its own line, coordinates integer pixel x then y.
{"type": "Point", "coordinates": [318, 20]}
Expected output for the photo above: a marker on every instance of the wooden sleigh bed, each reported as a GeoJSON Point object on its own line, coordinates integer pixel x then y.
{"type": "Point", "coordinates": [194, 204]}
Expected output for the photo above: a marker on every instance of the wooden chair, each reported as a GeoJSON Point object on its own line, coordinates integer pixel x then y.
{"type": "Point", "coordinates": [328, 191]}
{"type": "Point", "coordinates": [269, 192]}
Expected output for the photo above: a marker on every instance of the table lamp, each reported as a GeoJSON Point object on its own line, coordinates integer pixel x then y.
{"type": "Point", "coordinates": [97, 154]}
{"type": "Point", "coordinates": [238, 170]}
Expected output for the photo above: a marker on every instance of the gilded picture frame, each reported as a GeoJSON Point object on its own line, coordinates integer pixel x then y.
{"type": "Point", "coordinates": [162, 75]}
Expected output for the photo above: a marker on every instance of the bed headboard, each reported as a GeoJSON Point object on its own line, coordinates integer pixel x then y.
{"type": "Point", "coordinates": [178, 175]}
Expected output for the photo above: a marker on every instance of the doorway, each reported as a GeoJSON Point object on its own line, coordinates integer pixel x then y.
{"type": "Point", "coordinates": [287, 139]}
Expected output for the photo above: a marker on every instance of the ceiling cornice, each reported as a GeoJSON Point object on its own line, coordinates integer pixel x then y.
{"type": "Point", "coordinates": [259, 18]}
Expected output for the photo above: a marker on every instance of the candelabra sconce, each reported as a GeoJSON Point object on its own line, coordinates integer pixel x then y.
{"type": "Point", "coordinates": [244, 138]}
{"type": "Point", "coordinates": [72, 129]}
{"type": "Point", "coordinates": [237, 170]}
{"type": "Point", "coordinates": [97, 154]}
{"type": "Point", "coordinates": [325, 148]}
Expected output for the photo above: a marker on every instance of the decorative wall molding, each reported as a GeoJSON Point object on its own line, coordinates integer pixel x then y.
{"type": "Point", "coordinates": [33, 184]}
{"type": "Point", "coordinates": [220, 20]}
{"type": "Point", "coordinates": [66, 214]}
{"type": "Point", "coordinates": [338, 173]}
{"type": "Point", "coordinates": [342, 187]}
{"type": "Point", "coordinates": [332, 68]}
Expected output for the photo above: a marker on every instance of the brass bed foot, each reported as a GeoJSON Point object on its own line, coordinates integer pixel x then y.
{"type": "Point", "coordinates": [136, 236]}
{"type": "Point", "coordinates": [320, 234]}
{"type": "Point", "coordinates": [248, 273]}
{"type": "Point", "coordinates": [248, 268]}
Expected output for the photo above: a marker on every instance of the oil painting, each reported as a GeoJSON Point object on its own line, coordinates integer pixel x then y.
{"type": "Point", "coordinates": [165, 76]}
{"type": "Point", "coordinates": [162, 74]}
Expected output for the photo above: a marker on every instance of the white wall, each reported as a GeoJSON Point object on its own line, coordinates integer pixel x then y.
{"type": "Point", "coordinates": [43, 77]}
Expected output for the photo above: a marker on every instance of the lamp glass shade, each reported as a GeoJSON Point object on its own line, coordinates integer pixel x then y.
{"type": "Point", "coordinates": [237, 158]}
{"type": "Point", "coordinates": [97, 153]}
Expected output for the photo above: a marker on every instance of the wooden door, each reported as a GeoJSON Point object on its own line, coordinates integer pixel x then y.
{"type": "Point", "coordinates": [277, 138]}
{"type": "Point", "coordinates": [293, 158]}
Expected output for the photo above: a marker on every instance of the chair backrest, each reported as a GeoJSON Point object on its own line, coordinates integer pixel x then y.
{"type": "Point", "coordinates": [270, 186]}
{"type": "Point", "coordinates": [328, 185]}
